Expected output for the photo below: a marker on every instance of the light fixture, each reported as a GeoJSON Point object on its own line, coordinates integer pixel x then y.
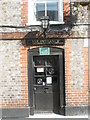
{"type": "Point", "coordinates": [41, 38]}
{"type": "Point", "coordinates": [45, 24]}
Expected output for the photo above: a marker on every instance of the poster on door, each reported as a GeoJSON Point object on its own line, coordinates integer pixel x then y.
{"type": "Point", "coordinates": [49, 80]}
{"type": "Point", "coordinates": [40, 69]}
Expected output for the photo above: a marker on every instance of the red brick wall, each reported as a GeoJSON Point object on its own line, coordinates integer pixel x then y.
{"type": "Point", "coordinates": [73, 97]}
{"type": "Point", "coordinates": [20, 101]}
{"type": "Point", "coordinates": [24, 13]}
{"type": "Point", "coordinates": [24, 76]}
{"type": "Point", "coordinates": [66, 11]}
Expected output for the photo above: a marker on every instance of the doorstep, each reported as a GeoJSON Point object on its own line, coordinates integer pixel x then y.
{"type": "Point", "coordinates": [58, 117]}
{"type": "Point", "coordinates": [52, 115]}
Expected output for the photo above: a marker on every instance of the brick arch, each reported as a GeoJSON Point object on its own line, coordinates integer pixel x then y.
{"type": "Point", "coordinates": [35, 47]}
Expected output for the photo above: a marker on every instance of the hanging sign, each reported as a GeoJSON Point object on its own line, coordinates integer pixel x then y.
{"type": "Point", "coordinates": [48, 41]}
{"type": "Point", "coordinates": [44, 51]}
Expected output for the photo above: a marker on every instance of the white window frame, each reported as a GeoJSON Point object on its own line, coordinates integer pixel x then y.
{"type": "Point", "coordinates": [31, 18]}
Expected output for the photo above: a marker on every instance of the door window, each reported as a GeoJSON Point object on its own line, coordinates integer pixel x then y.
{"type": "Point", "coordinates": [45, 70]}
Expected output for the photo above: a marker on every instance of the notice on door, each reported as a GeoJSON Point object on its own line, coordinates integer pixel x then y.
{"type": "Point", "coordinates": [44, 51]}
{"type": "Point", "coordinates": [40, 69]}
{"type": "Point", "coordinates": [49, 80]}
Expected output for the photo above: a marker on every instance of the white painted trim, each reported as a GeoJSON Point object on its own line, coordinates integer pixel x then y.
{"type": "Point", "coordinates": [45, 8]}
{"type": "Point", "coordinates": [51, 23]}
{"type": "Point", "coordinates": [31, 16]}
{"type": "Point", "coordinates": [86, 42]}
{"type": "Point", "coordinates": [30, 11]}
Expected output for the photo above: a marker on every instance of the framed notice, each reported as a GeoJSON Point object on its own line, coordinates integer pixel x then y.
{"type": "Point", "coordinates": [44, 51]}
{"type": "Point", "coordinates": [40, 69]}
{"type": "Point", "coordinates": [49, 80]}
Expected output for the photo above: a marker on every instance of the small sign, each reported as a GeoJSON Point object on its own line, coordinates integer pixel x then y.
{"type": "Point", "coordinates": [44, 51]}
{"type": "Point", "coordinates": [40, 69]}
{"type": "Point", "coordinates": [49, 80]}
{"type": "Point", "coordinates": [48, 41]}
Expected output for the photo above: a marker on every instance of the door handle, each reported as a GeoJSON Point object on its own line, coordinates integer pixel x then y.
{"type": "Point", "coordinates": [35, 88]}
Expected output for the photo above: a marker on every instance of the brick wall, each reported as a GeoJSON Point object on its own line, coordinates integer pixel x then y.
{"type": "Point", "coordinates": [14, 55]}
{"type": "Point", "coordinates": [24, 12]}
{"type": "Point", "coordinates": [76, 74]}
{"type": "Point", "coordinates": [13, 92]}
{"type": "Point", "coordinates": [10, 12]}
{"type": "Point", "coordinates": [14, 66]}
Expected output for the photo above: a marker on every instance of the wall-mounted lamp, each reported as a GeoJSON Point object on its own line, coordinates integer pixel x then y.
{"type": "Point", "coordinates": [45, 24]}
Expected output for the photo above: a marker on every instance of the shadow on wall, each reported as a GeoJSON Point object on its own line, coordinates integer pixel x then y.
{"type": "Point", "coordinates": [73, 13]}
{"type": "Point", "coordinates": [56, 31]}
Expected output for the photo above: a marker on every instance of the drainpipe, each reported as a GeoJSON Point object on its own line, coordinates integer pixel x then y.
{"type": "Point", "coordinates": [89, 47]}
{"type": "Point", "coordinates": [89, 61]}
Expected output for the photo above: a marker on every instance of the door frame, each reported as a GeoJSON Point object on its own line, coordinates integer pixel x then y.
{"type": "Point", "coordinates": [53, 51]}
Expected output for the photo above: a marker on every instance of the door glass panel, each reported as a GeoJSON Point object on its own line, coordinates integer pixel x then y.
{"type": "Point", "coordinates": [40, 81]}
{"type": "Point", "coordinates": [51, 71]}
{"type": "Point", "coordinates": [45, 69]}
{"type": "Point", "coordinates": [52, 11]}
{"type": "Point", "coordinates": [40, 10]}
{"type": "Point", "coordinates": [38, 61]}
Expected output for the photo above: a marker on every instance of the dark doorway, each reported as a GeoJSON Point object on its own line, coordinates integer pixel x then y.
{"type": "Point", "coordinates": [46, 81]}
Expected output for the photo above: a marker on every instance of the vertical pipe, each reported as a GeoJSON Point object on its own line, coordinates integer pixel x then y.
{"type": "Point", "coordinates": [89, 46]}
{"type": "Point", "coordinates": [89, 60]}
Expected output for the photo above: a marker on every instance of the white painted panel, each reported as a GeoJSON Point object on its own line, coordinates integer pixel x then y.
{"type": "Point", "coordinates": [86, 42]}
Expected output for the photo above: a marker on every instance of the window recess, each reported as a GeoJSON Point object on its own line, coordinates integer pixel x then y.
{"type": "Point", "coordinates": [51, 8]}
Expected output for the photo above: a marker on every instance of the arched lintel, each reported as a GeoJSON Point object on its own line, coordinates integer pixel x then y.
{"type": "Point", "coordinates": [53, 49]}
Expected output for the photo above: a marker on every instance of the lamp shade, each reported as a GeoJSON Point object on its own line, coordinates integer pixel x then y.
{"type": "Point", "coordinates": [45, 22]}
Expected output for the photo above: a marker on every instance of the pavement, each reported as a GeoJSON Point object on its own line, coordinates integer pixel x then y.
{"type": "Point", "coordinates": [50, 115]}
